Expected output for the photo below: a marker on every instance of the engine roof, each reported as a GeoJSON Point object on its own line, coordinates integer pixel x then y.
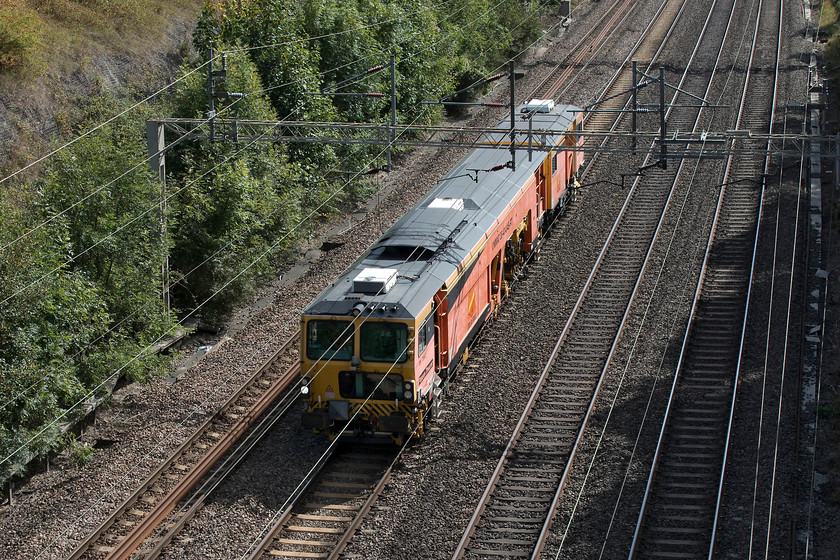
{"type": "Point", "coordinates": [431, 241]}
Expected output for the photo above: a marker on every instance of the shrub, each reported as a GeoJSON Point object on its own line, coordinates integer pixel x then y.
{"type": "Point", "coordinates": [20, 38]}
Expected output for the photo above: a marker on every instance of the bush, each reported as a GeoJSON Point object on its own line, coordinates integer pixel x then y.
{"type": "Point", "coordinates": [80, 453]}
{"type": "Point", "coordinates": [236, 205]}
{"type": "Point", "coordinates": [79, 279]}
{"type": "Point", "coordinates": [20, 38]}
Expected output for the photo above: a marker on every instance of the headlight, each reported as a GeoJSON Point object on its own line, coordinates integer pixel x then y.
{"type": "Point", "coordinates": [408, 391]}
{"type": "Point", "coordinates": [304, 390]}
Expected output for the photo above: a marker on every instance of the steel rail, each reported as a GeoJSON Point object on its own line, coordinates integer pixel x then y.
{"type": "Point", "coordinates": [752, 269]}
{"type": "Point", "coordinates": [304, 487]}
{"type": "Point", "coordinates": [677, 544]}
{"type": "Point", "coordinates": [197, 497]}
{"type": "Point", "coordinates": [154, 518]}
{"type": "Point", "coordinates": [555, 79]}
{"type": "Point", "coordinates": [283, 520]}
{"type": "Point", "coordinates": [496, 477]}
{"type": "Point", "coordinates": [553, 356]}
{"type": "Point", "coordinates": [545, 533]}
{"type": "Point", "coordinates": [621, 82]}
{"type": "Point", "coordinates": [175, 461]}
{"type": "Point", "coordinates": [367, 488]}
{"type": "Point", "coordinates": [128, 545]}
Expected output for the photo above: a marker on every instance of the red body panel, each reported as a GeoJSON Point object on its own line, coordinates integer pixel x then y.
{"type": "Point", "coordinates": [542, 192]}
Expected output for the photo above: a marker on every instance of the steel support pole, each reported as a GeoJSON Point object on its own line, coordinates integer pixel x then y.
{"type": "Point", "coordinates": [393, 122]}
{"type": "Point", "coordinates": [157, 162]}
{"type": "Point", "coordinates": [663, 151]}
{"type": "Point", "coordinates": [512, 118]}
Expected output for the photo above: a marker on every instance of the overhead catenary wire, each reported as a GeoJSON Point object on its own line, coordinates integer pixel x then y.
{"type": "Point", "coordinates": [167, 87]}
{"type": "Point", "coordinates": [202, 65]}
{"type": "Point", "coordinates": [154, 207]}
{"type": "Point", "coordinates": [415, 251]}
{"type": "Point", "coordinates": [102, 124]}
{"type": "Point", "coordinates": [496, 168]}
{"type": "Point", "coordinates": [198, 408]}
{"type": "Point", "coordinates": [770, 317]}
{"type": "Point", "coordinates": [342, 335]}
{"type": "Point", "coordinates": [626, 369]}
{"type": "Point", "coordinates": [145, 161]}
{"type": "Point", "coordinates": [290, 398]}
{"type": "Point", "coordinates": [384, 375]}
{"type": "Point", "coordinates": [114, 328]}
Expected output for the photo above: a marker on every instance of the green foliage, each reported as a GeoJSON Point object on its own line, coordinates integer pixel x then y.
{"type": "Point", "coordinates": [233, 202]}
{"type": "Point", "coordinates": [80, 453]}
{"type": "Point", "coordinates": [86, 243]}
{"type": "Point", "coordinates": [435, 47]}
{"type": "Point", "coordinates": [288, 70]}
{"type": "Point", "coordinates": [79, 278]}
{"type": "Point", "coordinates": [43, 330]}
{"type": "Point", "coordinates": [20, 38]}
{"type": "Point", "coordinates": [115, 236]}
{"type": "Point", "coordinates": [828, 17]}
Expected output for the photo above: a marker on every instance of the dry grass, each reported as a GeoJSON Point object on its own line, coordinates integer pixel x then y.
{"type": "Point", "coordinates": [58, 34]}
{"type": "Point", "coordinates": [828, 19]}
{"type": "Point", "coordinates": [55, 54]}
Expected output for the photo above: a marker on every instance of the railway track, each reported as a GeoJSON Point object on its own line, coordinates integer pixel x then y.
{"type": "Point", "coordinates": [330, 504]}
{"type": "Point", "coordinates": [337, 495]}
{"type": "Point", "coordinates": [588, 47]}
{"type": "Point", "coordinates": [647, 50]}
{"type": "Point", "coordinates": [147, 521]}
{"type": "Point", "coordinates": [316, 528]}
{"type": "Point", "coordinates": [515, 513]}
{"type": "Point", "coordinates": [682, 500]}
{"type": "Point", "coordinates": [149, 505]}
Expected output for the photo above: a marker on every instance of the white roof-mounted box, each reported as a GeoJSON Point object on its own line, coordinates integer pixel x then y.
{"type": "Point", "coordinates": [447, 203]}
{"type": "Point", "coordinates": [539, 106]}
{"type": "Point", "coordinates": [375, 280]}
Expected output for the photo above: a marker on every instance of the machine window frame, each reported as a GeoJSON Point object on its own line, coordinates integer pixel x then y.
{"type": "Point", "coordinates": [425, 334]}
{"type": "Point", "coordinates": [366, 384]}
{"type": "Point", "coordinates": [323, 351]}
{"type": "Point", "coordinates": [366, 331]}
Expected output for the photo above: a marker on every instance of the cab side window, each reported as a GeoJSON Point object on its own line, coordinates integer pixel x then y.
{"type": "Point", "coordinates": [425, 333]}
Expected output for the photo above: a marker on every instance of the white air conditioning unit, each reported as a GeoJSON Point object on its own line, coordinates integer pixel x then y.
{"type": "Point", "coordinates": [375, 280]}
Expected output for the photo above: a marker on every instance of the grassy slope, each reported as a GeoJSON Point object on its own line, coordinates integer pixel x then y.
{"type": "Point", "coordinates": [56, 53]}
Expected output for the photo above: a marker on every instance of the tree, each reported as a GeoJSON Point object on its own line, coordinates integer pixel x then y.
{"type": "Point", "coordinates": [233, 202]}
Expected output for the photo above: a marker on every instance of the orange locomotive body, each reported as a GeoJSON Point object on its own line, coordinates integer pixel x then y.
{"type": "Point", "coordinates": [379, 346]}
